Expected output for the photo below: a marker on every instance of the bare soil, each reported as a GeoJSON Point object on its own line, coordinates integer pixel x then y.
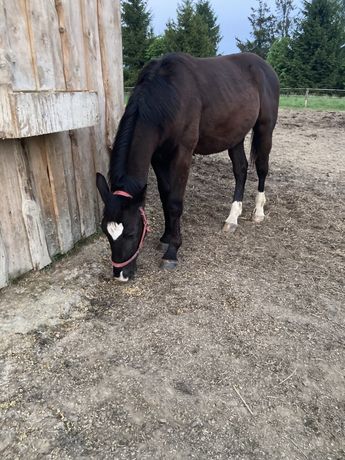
{"type": "Point", "coordinates": [238, 354]}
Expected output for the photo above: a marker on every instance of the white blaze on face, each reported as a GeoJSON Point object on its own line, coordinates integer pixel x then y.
{"type": "Point", "coordinates": [235, 212]}
{"type": "Point", "coordinates": [115, 230]}
{"type": "Point", "coordinates": [260, 201]}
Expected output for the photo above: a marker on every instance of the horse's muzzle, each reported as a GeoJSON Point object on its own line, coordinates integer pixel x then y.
{"type": "Point", "coordinates": [124, 275]}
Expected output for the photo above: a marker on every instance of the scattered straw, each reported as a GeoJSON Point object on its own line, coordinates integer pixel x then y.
{"type": "Point", "coordinates": [289, 377]}
{"type": "Point", "coordinates": [244, 402]}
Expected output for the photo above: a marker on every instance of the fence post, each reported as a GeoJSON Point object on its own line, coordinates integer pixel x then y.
{"type": "Point", "coordinates": [306, 97]}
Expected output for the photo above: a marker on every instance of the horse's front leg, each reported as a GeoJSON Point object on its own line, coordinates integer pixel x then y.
{"type": "Point", "coordinates": [161, 167]}
{"type": "Point", "coordinates": [179, 172]}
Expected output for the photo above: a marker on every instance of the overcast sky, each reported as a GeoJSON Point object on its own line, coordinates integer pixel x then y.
{"type": "Point", "coordinates": [232, 17]}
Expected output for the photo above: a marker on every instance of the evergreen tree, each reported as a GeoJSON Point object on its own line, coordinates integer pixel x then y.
{"type": "Point", "coordinates": [317, 47]}
{"type": "Point", "coordinates": [189, 33]}
{"type": "Point", "coordinates": [136, 37]}
{"type": "Point", "coordinates": [341, 82]}
{"type": "Point", "coordinates": [279, 57]}
{"type": "Point", "coordinates": [157, 48]}
{"type": "Point", "coordinates": [284, 17]}
{"type": "Point", "coordinates": [263, 31]}
{"type": "Point", "coordinates": [204, 9]}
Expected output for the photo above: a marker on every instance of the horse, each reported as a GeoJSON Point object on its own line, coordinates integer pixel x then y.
{"type": "Point", "coordinates": [180, 106]}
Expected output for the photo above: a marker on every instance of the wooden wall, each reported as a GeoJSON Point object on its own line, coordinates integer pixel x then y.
{"type": "Point", "coordinates": [48, 198]}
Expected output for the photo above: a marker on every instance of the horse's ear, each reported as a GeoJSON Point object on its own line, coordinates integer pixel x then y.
{"type": "Point", "coordinates": [103, 187]}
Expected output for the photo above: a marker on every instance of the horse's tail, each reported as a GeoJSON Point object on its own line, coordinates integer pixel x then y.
{"type": "Point", "coordinates": [254, 150]}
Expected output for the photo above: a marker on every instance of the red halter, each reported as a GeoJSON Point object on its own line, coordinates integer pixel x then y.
{"type": "Point", "coordinates": [122, 193]}
{"type": "Point", "coordinates": [144, 232]}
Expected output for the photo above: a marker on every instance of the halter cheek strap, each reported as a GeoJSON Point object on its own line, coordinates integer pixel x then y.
{"type": "Point", "coordinates": [143, 234]}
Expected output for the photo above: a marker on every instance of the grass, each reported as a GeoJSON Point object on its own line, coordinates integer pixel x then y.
{"type": "Point", "coordinates": [336, 104]}
{"type": "Point", "coordinates": [314, 102]}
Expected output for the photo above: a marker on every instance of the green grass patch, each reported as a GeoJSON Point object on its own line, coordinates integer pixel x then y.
{"type": "Point", "coordinates": [314, 102]}
{"type": "Point", "coordinates": [332, 103]}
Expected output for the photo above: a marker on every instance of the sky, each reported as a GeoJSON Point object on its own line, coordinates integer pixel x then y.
{"type": "Point", "coordinates": [232, 18]}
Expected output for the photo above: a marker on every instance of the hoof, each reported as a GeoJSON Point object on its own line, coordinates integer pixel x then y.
{"type": "Point", "coordinates": [229, 228]}
{"type": "Point", "coordinates": [168, 264]}
{"type": "Point", "coordinates": [162, 246]}
{"type": "Point", "coordinates": [258, 219]}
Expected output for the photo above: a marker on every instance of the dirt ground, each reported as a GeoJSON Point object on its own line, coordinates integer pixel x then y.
{"type": "Point", "coordinates": [238, 354]}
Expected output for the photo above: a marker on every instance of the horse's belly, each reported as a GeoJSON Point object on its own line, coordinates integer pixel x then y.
{"type": "Point", "coordinates": [216, 135]}
{"type": "Point", "coordinates": [208, 145]}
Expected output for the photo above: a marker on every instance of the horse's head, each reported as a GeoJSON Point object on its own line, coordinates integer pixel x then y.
{"type": "Point", "coordinates": [125, 226]}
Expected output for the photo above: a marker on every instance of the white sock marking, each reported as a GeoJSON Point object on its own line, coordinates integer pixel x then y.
{"type": "Point", "coordinates": [115, 230]}
{"type": "Point", "coordinates": [235, 212]}
{"type": "Point", "coordinates": [259, 206]}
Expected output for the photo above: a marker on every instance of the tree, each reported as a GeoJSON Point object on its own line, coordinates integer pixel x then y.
{"type": "Point", "coordinates": [204, 9]}
{"type": "Point", "coordinates": [279, 57]}
{"type": "Point", "coordinates": [317, 46]}
{"type": "Point", "coordinates": [136, 37]}
{"type": "Point", "coordinates": [284, 17]}
{"type": "Point", "coordinates": [157, 47]}
{"type": "Point", "coordinates": [263, 31]}
{"type": "Point", "coordinates": [190, 33]}
{"type": "Point", "coordinates": [341, 83]}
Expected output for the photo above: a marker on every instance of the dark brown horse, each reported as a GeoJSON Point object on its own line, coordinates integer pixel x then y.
{"type": "Point", "coordinates": [183, 105]}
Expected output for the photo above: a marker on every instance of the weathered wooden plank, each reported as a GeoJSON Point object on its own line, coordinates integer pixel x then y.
{"type": "Point", "coordinates": [31, 212]}
{"type": "Point", "coordinates": [46, 43]}
{"type": "Point", "coordinates": [3, 262]}
{"type": "Point", "coordinates": [13, 19]}
{"type": "Point", "coordinates": [37, 153]}
{"type": "Point", "coordinates": [63, 150]}
{"type": "Point", "coordinates": [12, 225]}
{"type": "Point", "coordinates": [85, 181]}
{"type": "Point", "coordinates": [37, 113]}
{"type": "Point", "coordinates": [7, 122]}
{"type": "Point", "coordinates": [110, 38]}
{"type": "Point", "coordinates": [71, 31]}
{"type": "Point", "coordinates": [59, 191]}
{"type": "Point", "coordinates": [93, 62]}
{"type": "Point", "coordinates": [77, 70]}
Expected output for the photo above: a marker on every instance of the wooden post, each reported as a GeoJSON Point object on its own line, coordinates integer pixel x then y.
{"type": "Point", "coordinates": [306, 98]}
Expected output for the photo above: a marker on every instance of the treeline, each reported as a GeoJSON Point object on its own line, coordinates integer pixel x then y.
{"type": "Point", "coordinates": [306, 46]}
{"type": "Point", "coordinates": [195, 31]}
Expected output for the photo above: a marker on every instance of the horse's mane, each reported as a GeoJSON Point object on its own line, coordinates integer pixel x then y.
{"type": "Point", "coordinates": [154, 101]}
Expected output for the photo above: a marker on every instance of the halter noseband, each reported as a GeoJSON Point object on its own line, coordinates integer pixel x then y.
{"type": "Point", "coordinates": [143, 234]}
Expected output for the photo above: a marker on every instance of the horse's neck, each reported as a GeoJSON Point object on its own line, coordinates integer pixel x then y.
{"type": "Point", "coordinates": [144, 143]}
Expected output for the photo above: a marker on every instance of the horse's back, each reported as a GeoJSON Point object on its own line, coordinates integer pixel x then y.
{"type": "Point", "coordinates": [218, 99]}
{"type": "Point", "coordinates": [235, 74]}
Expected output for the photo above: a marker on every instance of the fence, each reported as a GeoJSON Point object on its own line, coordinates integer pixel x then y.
{"type": "Point", "coordinates": [310, 92]}
{"type": "Point", "coordinates": [61, 97]}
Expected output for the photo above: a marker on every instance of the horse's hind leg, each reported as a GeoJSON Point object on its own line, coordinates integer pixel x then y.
{"type": "Point", "coordinates": [261, 147]}
{"type": "Point", "coordinates": [240, 166]}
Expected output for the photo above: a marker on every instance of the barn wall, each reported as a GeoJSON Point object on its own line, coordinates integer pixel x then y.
{"type": "Point", "coordinates": [48, 198]}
